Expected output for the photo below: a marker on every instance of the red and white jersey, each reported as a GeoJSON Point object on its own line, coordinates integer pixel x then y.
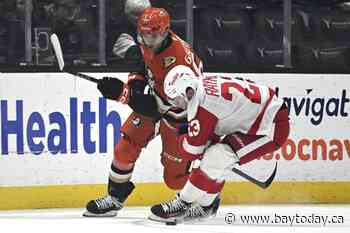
{"type": "Point", "coordinates": [225, 105]}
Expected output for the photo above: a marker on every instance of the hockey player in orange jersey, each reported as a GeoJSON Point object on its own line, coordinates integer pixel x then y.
{"type": "Point", "coordinates": [162, 49]}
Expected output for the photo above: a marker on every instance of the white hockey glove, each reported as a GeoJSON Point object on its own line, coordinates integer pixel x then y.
{"type": "Point", "coordinates": [165, 109]}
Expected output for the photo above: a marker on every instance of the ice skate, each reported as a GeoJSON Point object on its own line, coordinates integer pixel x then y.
{"type": "Point", "coordinates": [197, 212]}
{"type": "Point", "coordinates": [171, 211]}
{"type": "Point", "coordinates": [106, 206]}
{"type": "Point", "coordinates": [109, 205]}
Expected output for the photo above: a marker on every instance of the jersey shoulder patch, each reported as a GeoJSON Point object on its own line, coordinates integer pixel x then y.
{"type": "Point", "coordinates": [168, 61]}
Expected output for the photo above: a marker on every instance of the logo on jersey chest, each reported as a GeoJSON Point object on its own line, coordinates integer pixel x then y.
{"type": "Point", "coordinates": [168, 61]}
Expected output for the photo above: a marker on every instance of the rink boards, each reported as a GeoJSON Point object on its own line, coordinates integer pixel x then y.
{"type": "Point", "coordinates": [57, 137]}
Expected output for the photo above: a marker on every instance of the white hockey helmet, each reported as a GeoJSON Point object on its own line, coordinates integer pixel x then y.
{"type": "Point", "coordinates": [176, 84]}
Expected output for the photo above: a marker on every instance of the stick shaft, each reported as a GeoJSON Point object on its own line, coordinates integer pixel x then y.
{"type": "Point", "coordinates": [84, 76]}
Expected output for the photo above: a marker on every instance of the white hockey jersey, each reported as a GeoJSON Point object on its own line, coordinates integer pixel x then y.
{"type": "Point", "coordinates": [225, 105]}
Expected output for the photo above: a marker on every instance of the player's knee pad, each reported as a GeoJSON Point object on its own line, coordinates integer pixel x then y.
{"type": "Point", "coordinates": [176, 171]}
{"type": "Point", "coordinates": [175, 181]}
{"type": "Point", "coordinates": [217, 159]}
{"type": "Point", "coordinates": [168, 134]}
{"type": "Point", "coordinates": [125, 151]}
{"type": "Point", "coordinates": [171, 161]}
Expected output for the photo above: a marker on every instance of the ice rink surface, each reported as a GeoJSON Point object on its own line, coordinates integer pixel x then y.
{"type": "Point", "coordinates": [134, 220]}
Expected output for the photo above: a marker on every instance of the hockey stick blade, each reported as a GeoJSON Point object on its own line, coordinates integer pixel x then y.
{"type": "Point", "coordinates": [58, 50]}
{"type": "Point", "coordinates": [261, 184]}
{"type": "Point", "coordinates": [59, 55]}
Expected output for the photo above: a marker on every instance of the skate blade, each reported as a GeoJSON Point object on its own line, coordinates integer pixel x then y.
{"type": "Point", "coordinates": [170, 221]}
{"type": "Point", "coordinates": [199, 219]}
{"type": "Point", "coordinates": [109, 214]}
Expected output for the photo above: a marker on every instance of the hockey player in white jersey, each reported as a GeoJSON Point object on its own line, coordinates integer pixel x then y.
{"type": "Point", "coordinates": [230, 121]}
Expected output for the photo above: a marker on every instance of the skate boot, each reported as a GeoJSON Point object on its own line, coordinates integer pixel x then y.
{"type": "Point", "coordinates": [109, 205]}
{"type": "Point", "coordinates": [197, 212]}
{"type": "Point", "coordinates": [170, 212]}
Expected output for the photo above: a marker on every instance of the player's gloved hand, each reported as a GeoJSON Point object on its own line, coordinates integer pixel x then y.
{"type": "Point", "coordinates": [110, 88]}
{"type": "Point", "coordinates": [162, 107]}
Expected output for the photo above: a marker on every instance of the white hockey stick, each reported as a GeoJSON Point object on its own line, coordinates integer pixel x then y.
{"type": "Point", "coordinates": [59, 56]}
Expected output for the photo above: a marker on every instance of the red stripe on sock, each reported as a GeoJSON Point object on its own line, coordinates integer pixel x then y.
{"type": "Point", "coordinates": [199, 179]}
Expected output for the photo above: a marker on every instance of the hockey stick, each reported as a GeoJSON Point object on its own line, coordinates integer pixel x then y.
{"type": "Point", "coordinates": [261, 184]}
{"type": "Point", "coordinates": [59, 56]}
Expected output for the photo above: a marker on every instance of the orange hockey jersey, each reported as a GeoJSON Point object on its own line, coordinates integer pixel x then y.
{"type": "Point", "coordinates": [158, 65]}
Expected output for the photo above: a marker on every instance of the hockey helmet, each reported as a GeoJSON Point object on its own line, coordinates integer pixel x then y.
{"type": "Point", "coordinates": [153, 26]}
{"type": "Point", "coordinates": [177, 83]}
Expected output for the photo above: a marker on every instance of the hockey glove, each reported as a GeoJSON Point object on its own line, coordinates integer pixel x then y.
{"type": "Point", "coordinates": [110, 88]}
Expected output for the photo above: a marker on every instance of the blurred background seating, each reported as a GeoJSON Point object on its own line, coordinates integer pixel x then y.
{"type": "Point", "coordinates": [11, 32]}
{"type": "Point", "coordinates": [229, 35]}
{"type": "Point", "coordinates": [75, 22]}
{"type": "Point", "coordinates": [325, 43]}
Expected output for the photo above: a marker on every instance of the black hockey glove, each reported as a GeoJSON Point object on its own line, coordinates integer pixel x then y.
{"type": "Point", "coordinates": [110, 88]}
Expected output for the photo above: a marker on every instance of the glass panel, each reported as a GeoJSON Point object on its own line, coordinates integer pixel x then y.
{"type": "Point", "coordinates": [177, 11]}
{"type": "Point", "coordinates": [117, 24]}
{"type": "Point", "coordinates": [75, 22]}
{"type": "Point", "coordinates": [12, 32]}
{"type": "Point", "coordinates": [322, 42]}
{"type": "Point", "coordinates": [239, 35]}
{"type": "Point", "coordinates": [229, 35]}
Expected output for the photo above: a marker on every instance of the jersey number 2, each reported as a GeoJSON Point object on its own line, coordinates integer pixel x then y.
{"type": "Point", "coordinates": [252, 93]}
